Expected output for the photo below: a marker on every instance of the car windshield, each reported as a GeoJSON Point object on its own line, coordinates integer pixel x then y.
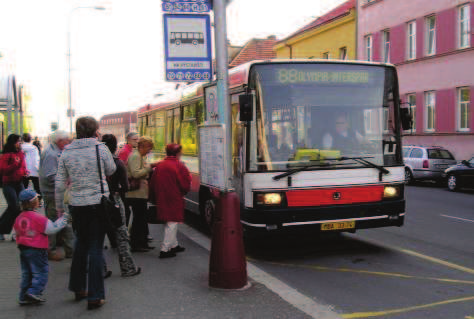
{"type": "Point", "coordinates": [308, 112]}
{"type": "Point", "coordinates": [439, 154]}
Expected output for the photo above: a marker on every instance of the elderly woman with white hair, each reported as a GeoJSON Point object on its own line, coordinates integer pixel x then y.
{"type": "Point", "coordinates": [47, 177]}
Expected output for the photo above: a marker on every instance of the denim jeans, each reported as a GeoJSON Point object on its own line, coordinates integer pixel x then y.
{"type": "Point", "coordinates": [34, 271]}
{"type": "Point", "coordinates": [11, 192]}
{"type": "Point", "coordinates": [88, 261]}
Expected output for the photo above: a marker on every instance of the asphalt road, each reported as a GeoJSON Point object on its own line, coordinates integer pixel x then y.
{"type": "Point", "coordinates": [424, 269]}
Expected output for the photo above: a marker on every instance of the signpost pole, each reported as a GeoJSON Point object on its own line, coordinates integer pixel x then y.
{"type": "Point", "coordinates": [227, 263]}
{"type": "Point", "coordinates": [223, 101]}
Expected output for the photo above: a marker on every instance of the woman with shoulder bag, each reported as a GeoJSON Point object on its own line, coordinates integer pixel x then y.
{"type": "Point", "coordinates": [118, 186]}
{"type": "Point", "coordinates": [139, 169]}
{"type": "Point", "coordinates": [79, 164]}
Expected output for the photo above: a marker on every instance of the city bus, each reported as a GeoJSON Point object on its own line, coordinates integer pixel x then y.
{"type": "Point", "coordinates": [291, 169]}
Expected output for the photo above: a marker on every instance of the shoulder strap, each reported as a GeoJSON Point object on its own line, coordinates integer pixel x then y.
{"type": "Point", "coordinates": [100, 170]}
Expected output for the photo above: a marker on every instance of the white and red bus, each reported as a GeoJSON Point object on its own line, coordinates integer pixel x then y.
{"type": "Point", "coordinates": [295, 165]}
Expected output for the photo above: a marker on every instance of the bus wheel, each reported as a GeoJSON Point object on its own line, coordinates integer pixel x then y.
{"type": "Point", "coordinates": [178, 42]}
{"type": "Point", "coordinates": [209, 212]}
{"type": "Point", "coordinates": [195, 42]}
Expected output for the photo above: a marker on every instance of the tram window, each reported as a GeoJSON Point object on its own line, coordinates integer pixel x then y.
{"type": "Point", "coordinates": [178, 35]}
{"type": "Point", "coordinates": [184, 35]}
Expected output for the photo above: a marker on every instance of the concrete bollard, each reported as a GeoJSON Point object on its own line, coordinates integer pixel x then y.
{"type": "Point", "coordinates": [227, 263]}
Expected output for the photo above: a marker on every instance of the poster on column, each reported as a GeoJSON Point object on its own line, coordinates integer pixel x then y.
{"type": "Point", "coordinates": [211, 155]}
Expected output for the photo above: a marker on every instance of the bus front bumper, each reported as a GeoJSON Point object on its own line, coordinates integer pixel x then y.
{"type": "Point", "coordinates": [367, 215]}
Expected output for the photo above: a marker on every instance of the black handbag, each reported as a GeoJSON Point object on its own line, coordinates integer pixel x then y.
{"type": "Point", "coordinates": [112, 217]}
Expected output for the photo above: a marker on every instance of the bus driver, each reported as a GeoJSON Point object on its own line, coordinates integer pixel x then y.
{"type": "Point", "coordinates": [342, 137]}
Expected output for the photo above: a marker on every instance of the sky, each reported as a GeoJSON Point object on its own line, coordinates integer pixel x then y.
{"type": "Point", "coordinates": [117, 55]}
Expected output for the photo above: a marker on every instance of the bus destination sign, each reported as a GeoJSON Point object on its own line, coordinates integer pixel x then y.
{"type": "Point", "coordinates": [188, 53]}
{"type": "Point", "coordinates": [285, 76]}
{"type": "Point", "coordinates": [186, 6]}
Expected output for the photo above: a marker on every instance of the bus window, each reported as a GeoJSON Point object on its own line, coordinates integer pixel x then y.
{"type": "Point", "coordinates": [169, 127]}
{"type": "Point", "coordinates": [189, 130]}
{"type": "Point", "coordinates": [159, 137]}
{"type": "Point", "coordinates": [176, 126]}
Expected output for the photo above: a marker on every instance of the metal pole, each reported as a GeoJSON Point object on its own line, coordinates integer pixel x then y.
{"type": "Point", "coordinates": [220, 32]}
{"type": "Point", "coordinates": [69, 70]}
{"type": "Point", "coordinates": [9, 105]}
{"type": "Point", "coordinates": [20, 107]}
{"type": "Point", "coordinates": [16, 107]}
{"type": "Point", "coordinates": [69, 61]}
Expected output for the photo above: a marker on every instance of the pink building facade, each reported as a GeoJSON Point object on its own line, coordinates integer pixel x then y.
{"type": "Point", "coordinates": [432, 44]}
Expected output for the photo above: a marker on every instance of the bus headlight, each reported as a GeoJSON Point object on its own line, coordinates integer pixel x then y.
{"type": "Point", "coordinates": [390, 192]}
{"type": "Point", "coordinates": [269, 199]}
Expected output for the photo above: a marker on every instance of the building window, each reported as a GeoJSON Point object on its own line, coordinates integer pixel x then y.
{"type": "Point", "coordinates": [343, 53]}
{"type": "Point", "coordinates": [368, 47]}
{"type": "Point", "coordinates": [411, 98]}
{"type": "Point", "coordinates": [464, 26]}
{"type": "Point", "coordinates": [431, 35]}
{"type": "Point", "coordinates": [326, 55]}
{"type": "Point", "coordinates": [430, 111]}
{"type": "Point", "coordinates": [386, 46]}
{"type": "Point", "coordinates": [411, 40]}
{"type": "Point", "coordinates": [464, 99]}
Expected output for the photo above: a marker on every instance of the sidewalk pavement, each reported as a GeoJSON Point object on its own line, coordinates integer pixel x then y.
{"type": "Point", "coordinates": [167, 288]}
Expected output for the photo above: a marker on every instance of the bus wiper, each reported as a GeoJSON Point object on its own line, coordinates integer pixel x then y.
{"type": "Point", "coordinates": [294, 171]}
{"type": "Point", "coordinates": [301, 169]}
{"type": "Point", "coordinates": [362, 160]}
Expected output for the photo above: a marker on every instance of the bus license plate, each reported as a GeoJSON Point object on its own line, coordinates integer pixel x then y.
{"type": "Point", "coordinates": [338, 225]}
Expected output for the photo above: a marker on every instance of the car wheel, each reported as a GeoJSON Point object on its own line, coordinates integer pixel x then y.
{"type": "Point", "coordinates": [408, 176]}
{"type": "Point", "coordinates": [452, 183]}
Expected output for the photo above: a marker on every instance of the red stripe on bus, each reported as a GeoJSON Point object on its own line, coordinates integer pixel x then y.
{"type": "Point", "coordinates": [335, 196]}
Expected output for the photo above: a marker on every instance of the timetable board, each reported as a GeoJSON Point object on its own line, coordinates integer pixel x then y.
{"type": "Point", "coordinates": [211, 156]}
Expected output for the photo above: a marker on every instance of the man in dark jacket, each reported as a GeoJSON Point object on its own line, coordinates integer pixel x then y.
{"type": "Point", "coordinates": [169, 183]}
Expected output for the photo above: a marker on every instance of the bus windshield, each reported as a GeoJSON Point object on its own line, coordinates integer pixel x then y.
{"type": "Point", "coordinates": [307, 112]}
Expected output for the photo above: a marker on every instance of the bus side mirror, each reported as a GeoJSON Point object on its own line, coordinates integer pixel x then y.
{"type": "Point", "coordinates": [246, 107]}
{"type": "Point", "coordinates": [406, 118]}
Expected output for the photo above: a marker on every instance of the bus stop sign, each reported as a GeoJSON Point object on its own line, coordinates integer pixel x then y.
{"type": "Point", "coordinates": [186, 6]}
{"type": "Point", "coordinates": [188, 53]}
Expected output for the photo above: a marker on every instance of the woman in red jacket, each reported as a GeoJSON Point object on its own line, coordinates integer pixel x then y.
{"type": "Point", "coordinates": [13, 170]}
{"type": "Point", "coordinates": [169, 183]}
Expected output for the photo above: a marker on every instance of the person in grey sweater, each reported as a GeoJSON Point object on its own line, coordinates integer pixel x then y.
{"type": "Point", "coordinates": [47, 177]}
{"type": "Point", "coordinates": [78, 164]}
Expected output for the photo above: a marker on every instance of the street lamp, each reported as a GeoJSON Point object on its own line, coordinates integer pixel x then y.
{"type": "Point", "coordinates": [70, 112]}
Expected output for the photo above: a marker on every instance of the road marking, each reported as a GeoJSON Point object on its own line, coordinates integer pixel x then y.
{"type": "Point", "coordinates": [415, 254]}
{"type": "Point", "coordinates": [376, 273]}
{"type": "Point", "coordinates": [292, 296]}
{"type": "Point", "coordinates": [435, 260]}
{"type": "Point", "coordinates": [402, 310]}
{"type": "Point", "coordinates": [459, 218]}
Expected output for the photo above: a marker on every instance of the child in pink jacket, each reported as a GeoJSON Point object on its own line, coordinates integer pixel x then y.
{"type": "Point", "coordinates": [32, 230]}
